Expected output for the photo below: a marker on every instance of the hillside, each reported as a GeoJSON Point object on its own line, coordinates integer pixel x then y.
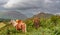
{"type": "Point", "coordinates": [12, 15]}
{"type": "Point", "coordinates": [43, 15]}
{"type": "Point", "coordinates": [46, 28]}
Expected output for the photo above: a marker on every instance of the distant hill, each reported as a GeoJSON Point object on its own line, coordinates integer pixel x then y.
{"type": "Point", "coordinates": [12, 15]}
{"type": "Point", "coordinates": [43, 15]}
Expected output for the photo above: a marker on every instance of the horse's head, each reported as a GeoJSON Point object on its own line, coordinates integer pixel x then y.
{"type": "Point", "coordinates": [11, 21]}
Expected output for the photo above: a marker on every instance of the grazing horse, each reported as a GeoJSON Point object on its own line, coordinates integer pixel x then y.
{"type": "Point", "coordinates": [36, 22]}
{"type": "Point", "coordinates": [19, 25]}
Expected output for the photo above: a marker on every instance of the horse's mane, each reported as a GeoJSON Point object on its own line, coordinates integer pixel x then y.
{"type": "Point", "coordinates": [14, 23]}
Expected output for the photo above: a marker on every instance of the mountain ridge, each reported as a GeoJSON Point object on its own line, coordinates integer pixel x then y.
{"type": "Point", "coordinates": [43, 15]}
{"type": "Point", "coordinates": [12, 15]}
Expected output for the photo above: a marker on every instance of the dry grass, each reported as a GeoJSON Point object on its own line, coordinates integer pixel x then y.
{"type": "Point", "coordinates": [2, 24]}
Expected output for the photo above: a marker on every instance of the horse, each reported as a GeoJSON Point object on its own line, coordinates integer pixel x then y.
{"type": "Point", "coordinates": [19, 26]}
{"type": "Point", "coordinates": [36, 23]}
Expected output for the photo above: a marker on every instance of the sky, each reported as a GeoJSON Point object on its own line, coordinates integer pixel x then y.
{"type": "Point", "coordinates": [30, 7]}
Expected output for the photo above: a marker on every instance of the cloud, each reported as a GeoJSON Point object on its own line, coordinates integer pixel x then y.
{"type": "Point", "coordinates": [2, 2]}
{"type": "Point", "coordinates": [33, 6]}
{"type": "Point", "coordinates": [23, 4]}
{"type": "Point", "coordinates": [48, 1]}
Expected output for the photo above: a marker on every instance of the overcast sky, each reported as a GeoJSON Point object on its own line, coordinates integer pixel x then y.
{"type": "Point", "coordinates": [31, 6]}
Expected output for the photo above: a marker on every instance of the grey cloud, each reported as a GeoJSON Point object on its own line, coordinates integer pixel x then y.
{"type": "Point", "coordinates": [26, 4]}
{"type": "Point", "coordinates": [34, 6]}
{"type": "Point", "coordinates": [2, 2]}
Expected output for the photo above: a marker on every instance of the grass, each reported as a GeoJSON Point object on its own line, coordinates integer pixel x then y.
{"type": "Point", "coordinates": [31, 31]}
{"type": "Point", "coordinates": [47, 28]}
{"type": "Point", "coordinates": [2, 24]}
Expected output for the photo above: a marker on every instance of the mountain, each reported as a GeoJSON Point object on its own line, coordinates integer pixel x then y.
{"type": "Point", "coordinates": [43, 15]}
{"type": "Point", "coordinates": [12, 15]}
{"type": "Point", "coordinates": [29, 15]}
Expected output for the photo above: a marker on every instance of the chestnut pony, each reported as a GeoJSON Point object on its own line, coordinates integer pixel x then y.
{"type": "Point", "coordinates": [36, 22]}
{"type": "Point", "coordinates": [19, 25]}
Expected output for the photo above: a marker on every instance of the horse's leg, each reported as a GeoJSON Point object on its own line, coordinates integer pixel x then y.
{"type": "Point", "coordinates": [16, 27]}
{"type": "Point", "coordinates": [24, 28]}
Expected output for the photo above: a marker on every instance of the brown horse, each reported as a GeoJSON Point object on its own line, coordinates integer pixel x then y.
{"type": "Point", "coordinates": [19, 25]}
{"type": "Point", "coordinates": [36, 22]}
